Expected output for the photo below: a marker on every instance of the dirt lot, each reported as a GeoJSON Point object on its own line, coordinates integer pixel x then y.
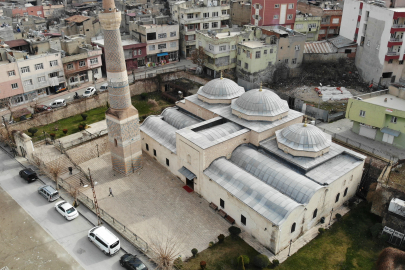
{"type": "Point", "coordinates": [25, 244]}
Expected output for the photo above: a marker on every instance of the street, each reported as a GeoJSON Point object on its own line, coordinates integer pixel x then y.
{"type": "Point", "coordinates": [71, 235]}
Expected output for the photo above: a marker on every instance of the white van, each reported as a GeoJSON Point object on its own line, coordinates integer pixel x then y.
{"type": "Point", "coordinates": [104, 240]}
{"type": "Point", "coordinates": [104, 87]}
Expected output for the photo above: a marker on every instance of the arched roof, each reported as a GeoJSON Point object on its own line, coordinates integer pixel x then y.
{"type": "Point", "coordinates": [220, 131]}
{"type": "Point", "coordinates": [221, 88]}
{"type": "Point", "coordinates": [294, 185]}
{"type": "Point", "coordinates": [160, 131]}
{"type": "Point", "coordinates": [178, 119]}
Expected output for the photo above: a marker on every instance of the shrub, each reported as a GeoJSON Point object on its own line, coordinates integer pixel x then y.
{"type": "Point", "coordinates": [338, 216]}
{"type": "Point", "coordinates": [376, 229]}
{"type": "Point", "coordinates": [275, 263]}
{"type": "Point", "coordinates": [211, 244]}
{"type": "Point", "coordinates": [81, 127]}
{"type": "Point", "coordinates": [108, 105]}
{"type": "Point", "coordinates": [65, 130]}
{"type": "Point", "coordinates": [52, 136]}
{"type": "Point", "coordinates": [243, 260]}
{"type": "Point", "coordinates": [261, 261]}
{"type": "Point", "coordinates": [235, 231]}
{"type": "Point", "coordinates": [221, 238]}
{"type": "Point", "coordinates": [144, 96]}
{"type": "Point", "coordinates": [84, 116]}
{"type": "Point", "coordinates": [32, 131]}
{"type": "Point", "coordinates": [321, 230]}
{"type": "Point", "coordinates": [203, 264]}
{"type": "Point", "coordinates": [194, 251]}
{"type": "Point", "coordinates": [178, 264]}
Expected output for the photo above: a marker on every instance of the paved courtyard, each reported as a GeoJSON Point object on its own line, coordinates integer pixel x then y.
{"type": "Point", "coordinates": [153, 203]}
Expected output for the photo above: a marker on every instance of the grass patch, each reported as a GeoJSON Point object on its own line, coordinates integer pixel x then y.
{"type": "Point", "coordinates": [222, 256]}
{"type": "Point", "coordinates": [347, 245]}
{"type": "Point", "coordinates": [144, 108]}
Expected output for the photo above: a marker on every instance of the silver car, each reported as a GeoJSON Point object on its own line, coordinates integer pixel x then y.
{"type": "Point", "coordinates": [58, 103]}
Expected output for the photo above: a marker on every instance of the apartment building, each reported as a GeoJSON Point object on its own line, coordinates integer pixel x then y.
{"type": "Point", "coordinates": [81, 62]}
{"type": "Point", "coordinates": [273, 12]}
{"type": "Point", "coordinates": [18, 12]}
{"type": "Point", "coordinates": [308, 25]}
{"type": "Point", "coordinates": [240, 12]}
{"type": "Point", "coordinates": [12, 91]}
{"type": "Point", "coordinates": [378, 30]}
{"type": "Point", "coordinates": [51, 10]}
{"type": "Point", "coordinates": [78, 25]}
{"type": "Point", "coordinates": [199, 15]}
{"type": "Point", "coordinates": [162, 40]}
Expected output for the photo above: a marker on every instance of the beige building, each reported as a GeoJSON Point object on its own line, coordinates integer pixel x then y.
{"type": "Point", "coordinates": [260, 166]}
{"type": "Point", "coordinates": [240, 12]}
{"type": "Point", "coordinates": [78, 25]}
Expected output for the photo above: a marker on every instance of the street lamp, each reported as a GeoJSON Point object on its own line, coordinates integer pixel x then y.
{"type": "Point", "coordinates": [289, 249]}
{"type": "Point", "coordinates": [330, 216]}
{"type": "Point", "coordinates": [320, 97]}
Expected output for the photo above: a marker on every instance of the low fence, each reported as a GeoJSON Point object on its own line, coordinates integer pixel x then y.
{"type": "Point", "coordinates": [64, 146]}
{"type": "Point", "coordinates": [153, 73]}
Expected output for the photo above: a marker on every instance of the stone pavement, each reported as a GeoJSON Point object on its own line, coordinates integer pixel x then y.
{"type": "Point", "coordinates": [152, 203]}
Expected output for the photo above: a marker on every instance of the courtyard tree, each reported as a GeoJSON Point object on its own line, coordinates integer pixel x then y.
{"type": "Point", "coordinates": [55, 169]}
{"type": "Point", "coordinates": [199, 57]}
{"type": "Point", "coordinates": [234, 231]}
{"type": "Point", "coordinates": [32, 131]}
{"type": "Point", "coordinates": [261, 261]}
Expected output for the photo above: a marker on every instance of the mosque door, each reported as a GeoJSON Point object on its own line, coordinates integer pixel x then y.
{"type": "Point", "coordinates": [190, 183]}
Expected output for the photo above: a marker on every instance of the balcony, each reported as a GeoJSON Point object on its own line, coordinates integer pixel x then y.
{"type": "Point", "coordinates": [395, 41]}
{"type": "Point", "coordinates": [391, 55]}
{"type": "Point", "coordinates": [398, 26]}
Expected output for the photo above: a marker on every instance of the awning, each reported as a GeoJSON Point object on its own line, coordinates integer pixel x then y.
{"type": "Point", "coordinates": [186, 172]}
{"type": "Point", "coordinates": [390, 132]}
{"type": "Point", "coordinates": [162, 54]}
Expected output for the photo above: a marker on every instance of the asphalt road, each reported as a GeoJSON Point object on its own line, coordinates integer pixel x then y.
{"type": "Point", "coordinates": [71, 235]}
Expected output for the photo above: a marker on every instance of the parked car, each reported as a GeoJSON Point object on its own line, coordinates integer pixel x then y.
{"type": "Point", "coordinates": [66, 210]}
{"type": "Point", "coordinates": [28, 175]}
{"type": "Point", "coordinates": [89, 92]}
{"type": "Point", "coordinates": [104, 87]}
{"type": "Point", "coordinates": [131, 262]}
{"type": "Point", "coordinates": [104, 240]}
{"type": "Point", "coordinates": [58, 103]}
{"type": "Point", "coordinates": [49, 193]}
{"type": "Point", "coordinates": [41, 108]}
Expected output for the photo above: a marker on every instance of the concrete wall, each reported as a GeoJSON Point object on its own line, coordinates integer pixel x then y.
{"type": "Point", "coordinates": [240, 13]}
{"type": "Point", "coordinates": [316, 57]}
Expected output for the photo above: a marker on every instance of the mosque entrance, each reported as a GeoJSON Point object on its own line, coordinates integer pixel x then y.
{"type": "Point", "coordinates": [190, 183]}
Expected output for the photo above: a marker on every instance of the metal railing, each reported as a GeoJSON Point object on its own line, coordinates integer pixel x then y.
{"type": "Point", "coordinates": [396, 39]}
{"type": "Point", "coordinates": [150, 73]}
{"type": "Point", "coordinates": [398, 26]}
{"type": "Point", "coordinates": [392, 53]}
{"type": "Point", "coordinates": [63, 146]}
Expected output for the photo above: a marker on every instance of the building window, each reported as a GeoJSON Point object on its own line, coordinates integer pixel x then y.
{"type": "Point", "coordinates": [362, 113]}
{"type": "Point", "coordinates": [173, 34]}
{"type": "Point", "coordinates": [290, 6]}
{"type": "Point", "coordinates": [286, 61]}
{"type": "Point", "coordinates": [53, 74]}
{"type": "Point", "coordinates": [28, 82]}
{"type": "Point", "coordinates": [163, 35]}
{"type": "Point", "coordinates": [93, 61]}
{"type": "Point", "coordinates": [271, 50]}
{"type": "Point", "coordinates": [53, 63]}
{"type": "Point", "coordinates": [188, 159]}
{"type": "Point", "coordinates": [294, 61]}
{"type": "Point", "coordinates": [257, 6]}
{"type": "Point", "coordinates": [315, 213]}
{"type": "Point", "coordinates": [41, 79]}
{"type": "Point", "coordinates": [243, 219]}
{"type": "Point", "coordinates": [82, 64]}
{"type": "Point", "coordinates": [265, 52]}
{"type": "Point", "coordinates": [167, 162]}
{"type": "Point", "coordinates": [214, 25]}
{"type": "Point", "coordinates": [335, 21]}
{"type": "Point", "coordinates": [139, 52]}
{"type": "Point", "coordinates": [151, 47]}
{"type": "Point", "coordinates": [246, 65]}
{"type": "Point", "coordinates": [337, 197]}
{"type": "Point", "coordinates": [293, 227]}
{"type": "Point", "coordinates": [39, 66]}
{"type": "Point", "coordinates": [73, 79]}
{"type": "Point", "coordinates": [322, 31]}
{"type": "Point", "coordinates": [393, 119]}
{"type": "Point", "coordinates": [276, 5]}
{"type": "Point", "coordinates": [206, 15]}
{"type": "Point", "coordinates": [222, 48]}
{"type": "Point", "coordinates": [233, 47]}
{"type": "Point", "coordinates": [173, 44]}
{"type": "Point", "coordinates": [25, 69]}
{"type": "Point", "coordinates": [239, 63]}
{"type": "Point", "coordinates": [190, 16]}
{"type": "Point", "coordinates": [289, 17]}
{"type": "Point", "coordinates": [210, 47]}
{"type": "Point", "coordinates": [256, 17]}
{"type": "Point", "coordinates": [115, 143]}
{"type": "Point", "coordinates": [298, 26]}
{"type": "Point", "coordinates": [11, 73]}
{"type": "Point", "coordinates": [206, 25]}
{"type": "Point", "coordinates": [147, 146]}
{"type": "Point", "coordinates": [154, 152]}
{"type": "Point", "coordinates": [345, 193]}
{"type": "Point", "coordinates": [275, 17]}
{"type": "Point", "coordinates": [69, 66]}
{"type": "Point", "coordinates": [14, 85]}
{"type": "Point", "coordinates": [224, 12]}
{"type": "Point", "coordinates": [162, 46]}
{"type": "Point", "coordinates": [222, 203]}
{"type": "Point", "coordinates": [258, 54]}
{"type": "Point", "coordinates": [214, 14]}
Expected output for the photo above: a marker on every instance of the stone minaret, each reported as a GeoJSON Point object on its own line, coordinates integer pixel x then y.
{"type": "Point", "coordinates": [122, 118]}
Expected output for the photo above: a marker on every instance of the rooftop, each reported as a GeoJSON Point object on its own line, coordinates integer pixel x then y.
{"type": "Point", "coordinates": [393, 102]}
{"type": "Point", "coordinates": [77, 18]}
{"type": "Point", "coordinates": [253, 44]}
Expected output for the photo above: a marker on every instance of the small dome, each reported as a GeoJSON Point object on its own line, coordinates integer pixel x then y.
{"type": "Point", "coordinates": [260, 104]}
{"type": "Point", "coordinates": [223, 90]}
{"type": "Point", "coordinates": [302, 138]}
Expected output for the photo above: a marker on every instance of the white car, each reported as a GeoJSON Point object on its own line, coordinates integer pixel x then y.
{"type": "Point", "coordinates": [89, 92]}
{"type": "Point", "coordinates": [66, 210]}
{"type": "Point", "coordinates": [58, 103]}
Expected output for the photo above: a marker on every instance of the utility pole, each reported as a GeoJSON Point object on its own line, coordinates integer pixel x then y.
{"type": "Point", "coordinates": [95, 199]}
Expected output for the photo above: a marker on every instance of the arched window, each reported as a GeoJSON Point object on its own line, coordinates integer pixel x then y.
{"type": "Point", "coordinates": [344, 194]}
{"type": "Point", "coordinates": [115, 142]}
{"type": "Point", "coordinates": [188, 159]}
{"type": "Point", "coordinates": [273, 40]}
{"type": "Point", "coordinates": [315, 213]}
{"type": "Point", "coordinates": [293, 227]}
{"type": "Point", "coordinates": [337, 197]}
{"type": "Point", "coordinates": [344, 183]}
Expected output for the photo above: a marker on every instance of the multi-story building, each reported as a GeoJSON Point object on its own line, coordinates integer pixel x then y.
{"type": "Point", "coordinates": [12, 91]}
{"type": "Point", "coordinates": [221, 48]}
{"type": "Point", "coordinates": [380, 115]}
{"type": "Point", "coordinates": [240, 12]}
{"type": "Point", "coordinates": [19, 12]}
{"type": "Point", "coordinates": [78, 24]}
{"type": "Point", "coordinates": [199, 15]}
{"type": "Point", "coordinates": [52, 10]}
{"type": "Point", "coordinates": [273, 12]}
{"type": "Point", "coordinates": [308, 25]}
{"type": "Point", "coordinates": [81, 62]}
{"type": "Point", "coordinates": [162, 40]}
{"type": "Point", "coordinates": [379, 32]}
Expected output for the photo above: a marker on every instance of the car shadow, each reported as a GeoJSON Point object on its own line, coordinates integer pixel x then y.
{"type": "Point", "coordinates": [89, 253]}
{"type": "Point", "coordinates": [55, 217]}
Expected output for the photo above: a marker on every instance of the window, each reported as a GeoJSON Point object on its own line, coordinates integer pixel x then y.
{"type": "Point", "coordinates": [161, 46]}
{"type": "Point", "coordinates": [206, 25]}
{"type": "Point", "coordinates": [257, 6]}
{"type": "Point", "coordinates": [311, 25]}
{"type": "Point", "coordinates": [115, 143]}
{"type": "Point", "coordinates": [299, 26]}
{"type": "Point", "coordinates": [265, 52]}
{"type": "Point", "coordinates": [82, 63]}
{"type": "Point", "coordinates": [214, 14]}
{"type": "Point", "coordinates": [151, 36]}
{"type": "Point", "coordinates": [294, 61]}
{"type": "Point", "coordinates": [258, 54]}
{"type": "Point", "coordinates": [167, 162]}
{"type": "Point", "coordinates": [139, 52]}
{"type": "Point", "coordinates": [173, 44]}
{"type": "Point", "coordinates": [151, 47]}
{"type": "Point", "coordinates": [190, 16]}
{"type": "Point", "coordinates": [239, 63]}
{"type": "Point", "coordinates": [293, 227]}
{"type": "Point", "coordinates": [390, 61]}
{"type": "Point", "coordinates": [206, 15]}
{"type": "Point", "coordinates": [93, 61]}
{"type": "Point", "coordinates": [147, 146]}
{"type": "Point", "coordinates": [238, 51]}
{"type": "Point", "coordinates": [214, 25]}
{"type": "Point", "coordinates": [135, 52]}
{"type": "Point", "coordinates": [286, 61]}
{"type": "Point", "coordinates": [233, 47]}
{"type": "Point", "coordinates": [53, 63]}
{"type": "Point", "coordinates": [297, 47]}
{"type": "Point", "coordinates": [276, 5]}
{"type": "Point", "coordinates": [275, 17]}
{"type": "Point", "coordinates": [393, 119]}
{"type": "Point", "coordinates": [290, 6]}
{"type": "Point", "coordinates": [315, 213]}
{"type": "Point", "coordinates": [246, 65]}
{"type": "Point", "coordinates": [222, 48]}
{"type": "Point", "coordinates": [69, 66]}
{"type": "Point", "coordinates": [222, 203]}
{"type": "Point", "coordinates": [337, 197]}
{"type": "Point", "coordinates": [188, 159]}
{"type": "Point", "coordinates": [362, 41]}
{"type": "Point", "coordinates": [256, 17]}
{"type": "Point", "coordinates": [163, 35]}
{"type": "Point", "coordinates": [210, 47]}
{"type": "Point", "coordinates": [39, 66]}
{"type": "Point", "coordinates": [14, 85]}
{"type": "Point", "coordinates": [243, 219]}
{"type": "Point", "coordinates": [289, 17]}
{"type": "Point", "coordinates": [28, 82]}
{"type": "Point", "coordinates": [173, 34]}
{"type": "Point", "coordinates": [336, 20]}
{"type": "Point", "coordinates": [345, 193]}
{"type": "Point", "coordinates": [39, 12]}
{"type": "Point", "coordinates": [401, 62]}
{"type": "Point", "coordinates": [73, 79]}
{"type": "Point", "coordinates": [53, 74]}
{"type": "Point", "coordinates": [154, 152]}
{"type": "Point", "coordinates": [224, 12]}
{"type": "Point", "coordinates": [95, 71]}
{"type": "Point", "coordinates": [362, 113]}
{"type": "Point", "coordinates": [25, 69]}
{"type": "Point", "coordinates": [348, 51]}
{"type": "Point", "coordinates": [41, 79]}
{"type": "Point", "coordinates": [11, 73]}
{"type": "Point", "coordinates": [271, 50]}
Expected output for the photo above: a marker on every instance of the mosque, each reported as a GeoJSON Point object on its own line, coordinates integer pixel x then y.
{"type": "Point", "coordinates": [254, 158]}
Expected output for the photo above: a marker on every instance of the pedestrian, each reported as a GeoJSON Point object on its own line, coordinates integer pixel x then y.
{"type": "Point", "coordinates": [70, 170]}
{"type": "Point", "coordinates": [81, 182]}
{"type": "Point", "coordinates": [110, 193]}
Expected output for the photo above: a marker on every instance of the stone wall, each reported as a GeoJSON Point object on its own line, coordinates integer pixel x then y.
{"type": "Point", "coordinates": [89, 150]}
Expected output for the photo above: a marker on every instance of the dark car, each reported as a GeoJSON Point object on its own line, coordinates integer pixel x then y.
{"type": "Point", "coordinates": [131, 262]}
{"type": "Point", "coordinates": [41, 108]}
{"type": "Point", "coordinates": [28, 175]}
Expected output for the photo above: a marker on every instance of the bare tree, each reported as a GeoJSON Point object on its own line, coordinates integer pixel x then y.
{"type": "Point", "coordinates": [55, 169]}
{"type": "Point", "coordinates": [36, 161]}
{"type": "Point", "coordinates": [199, 57]}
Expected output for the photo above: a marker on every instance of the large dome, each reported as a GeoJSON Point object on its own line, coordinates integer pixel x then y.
{"type": "Point", "coordinates": [260, 104]}
{"type": "Point", "coordinates": [220, 90]}
{"type": "Point", "coordinates": [303, 140]}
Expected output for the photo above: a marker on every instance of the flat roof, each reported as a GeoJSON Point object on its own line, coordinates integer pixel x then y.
{"type": "Point", "coordinates": [253, 44]}
{"type": "Point", "coordinates": [393, 102]}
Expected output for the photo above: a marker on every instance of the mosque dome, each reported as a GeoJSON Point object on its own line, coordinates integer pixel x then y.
{"type": "Point", "coordinates": [303, 140]}
{"type": "Point", "coordinates": [260, 104]}
{"type": "Point", "coordinates": [221, 90]}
